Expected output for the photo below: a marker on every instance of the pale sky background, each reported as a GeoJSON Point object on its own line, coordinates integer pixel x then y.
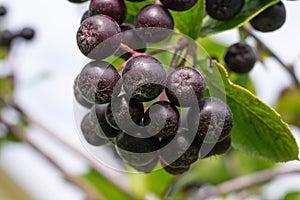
{"type": "Point", "coordinates": [54, 54]}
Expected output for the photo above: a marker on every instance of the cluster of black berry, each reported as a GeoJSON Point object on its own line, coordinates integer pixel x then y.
{"type": "Point", "coordinates": [144, 136]}
{"type": "Point", "coordinates": [7, 36]}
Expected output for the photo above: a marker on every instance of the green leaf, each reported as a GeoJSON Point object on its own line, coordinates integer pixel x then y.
{"type": "Point", "coordinates": [288, 105]}
{"type": "Point", "coordinates": [251, 9]}
{"type": "Point", "coordinates": [105, 187]}
{"type": "Point", "coordinates": [189, 22]}
{"type": "Point", "coordinates": [212, 47]}
{"type": "Point", "coordinates": [133, 8]}
{"type": "Point", "coordinates": [258, 129]}
{"type": "Point", "coordinates": [6, 86]}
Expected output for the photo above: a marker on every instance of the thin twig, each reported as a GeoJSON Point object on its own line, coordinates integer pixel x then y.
{"type": "Point", "coordinates": [288, 68]}
{"type": "Point", "coordinates": [76, 181]}
{"type": "Point", "coordinates": [243, 182]}
{"type": "Point", "coordinates": [181, 44]}
{"type": "Point", "coordinates": [116, 180]}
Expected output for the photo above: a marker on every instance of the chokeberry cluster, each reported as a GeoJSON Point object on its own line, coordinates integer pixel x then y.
{"type": "Point", "coordinates": [138, 106]}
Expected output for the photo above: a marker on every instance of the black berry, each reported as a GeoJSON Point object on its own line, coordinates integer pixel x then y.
{"type": "Point", "coordinates": [123, 113]}
{"type": "Point", "coordinates": [240, 57]}
{"type": "Point", "coordinates": [6, 38]}
{"type": "Point", "coordinates": [144, 78]}
{"type": "Point", "coordinates": [180, 151]}
{"type": "Point", "coordinates": [218, 149]}
{"type": "Point", "coordinates": [156, 21]}
{"type": "Point", "coordinates": [105, 129]}
{"type": "Point", "coordinates": [178, 5]}
{"type": "Point", "coordinates": [162, 119]}
{"type": "Point", "coordinates": [270, 19]}
{"type": "Point", "coordinates": [116, 9]}
{"type": "Point", "coordinates": [185, 86]}
{"type": "Point", "coordinates": [96, 82]}
{"type": "Point", "coordinates": [137, 150]}
{"type": "Point", "coordinates": [131, 39]}
{"type": "Point", "coordinates": [78, 1]}
{"type": "Point", "coordinates": [85, 15]}
{"type": "Point", "coordinates": [91, 131]}
{"type": "Point", "coordinates": [176, 170]}
{"type": "Point", "coordinates": [78, 97]}
{"type": "Point", "coordinates": [224, 9]}
{"type": "Point", "coordinates": [214, 121]}
{"type": "Point", "coordinates": [27, 33]}
{"type": "Point", "coordinates": [3, 11]}
{"type": "Point", "coordinates": [148, 167]}
{"type": "Point", "coordinates": [96, 30]}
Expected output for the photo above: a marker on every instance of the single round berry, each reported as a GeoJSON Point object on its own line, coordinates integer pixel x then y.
{"type": "Point", "coordinates": [27, 33]}
{"type": "Point", "coordinates": [176, 170]}
{"type": "Point", "coordinates": [96, 82]}
{"type": "Point", "coordinates": [218, 149]}
{"type": "Point", "coordinates": [78, 1]}
{"type": "Point", "coordinates": [214, 121]}
{"type": "Point", "coordinates": [131, 39]}
{"type": "Point", "coordinates": [270, 19]}
{"type": "Point", "coordinates": [3, 11]}
{"type": "Point", "coordinates": [116, 9]}
{"type": "Point", "coordinates": [78, 97]}
{"type": "Point", "coordinates": [6, 38]}
{"type": "Point", "coordinates": [144, 78]}
{"type": "Point", "coordinates": [179, 5]}
{"type": "Point", "coordinates": [137, 150]}
{"type": "Point", "coordinates": [124, 113]}
{"type": "Point", "coordinates": [162, 119]}
{"type": "Point", "coordinates": [240, 58]}
{"type": "Point", "coordinates": [185, 86]}
{"type": "Point", "coordinates": [85, 15]}
{"type": "Point", "coordinates": [180, 151]}
{"type": "Point", "coordinates": [156, 21]}
{"type": "Point", "coordinates": [90, 129]}
{"type": "Point", "coordinates": [95, 37]}
{"type": "Point", "coordinates": [224, 9]}
{"type": "Point", "coordinates": [105, 130]}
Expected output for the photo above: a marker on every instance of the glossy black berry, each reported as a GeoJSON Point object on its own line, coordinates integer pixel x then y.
{"type": "Point", "coordinates": [116, 9]}
{"type": "Point", "coordinates": [162, 119]}
{"type": "Point", "coordinates": [96, 82]}
{"type": "Point", "coordinates": [158, 18]}
{"type": "Point", "coordinates": [214, 121]}
{"type": "Point", "coordinates": [78, 1]}
{"type": "Point", "coordinates": [137, 150]}
{"type": "Point", "coordinates": [176, 170]}
{"type": "Point", "coordinates": [123, 113]}
{"type": "Point", "coordinates": [148, 167]}
{"type": "Point", "coordinates": [85, 15]}
{"type": "Point", "coordinates": [95, 37]}
{"type": "Point", "coordinates": [240, 58]}
{"type": "Point", "coordinates": [3, 11]}
{"type": "Point", "coordinates": [218, 149]}
{"type": "Point", "coordinates": [144, 78]}
{"type": "Point", "coordinates": [27, 33]}
{"type": "Point", "coordinates": [6, 38]}
{"type": "Point", "coordinates": [91, 131]}
{"type": "Point", "coordinates": [131, 39]}
{"type": "Point", "coordinates": [185, 86]}
{"type": "Point", "coordinates": [178, 5]}
{"type": "Point", "coordinates": [224, 9]}
{"type": "Point", "coordinates": [78, 97]}
{"type": "Point", "coordinates": [105, 130]}
{"type": "Point", "coordinates": [180, 151]}
{"type": "Point", "coordinates": [270, 19]}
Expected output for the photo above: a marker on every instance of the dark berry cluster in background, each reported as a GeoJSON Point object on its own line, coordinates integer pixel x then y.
{"type": "Point", "coordinates": [139, 106]}
{"type": "Point", "coordinates": [7, 36]}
